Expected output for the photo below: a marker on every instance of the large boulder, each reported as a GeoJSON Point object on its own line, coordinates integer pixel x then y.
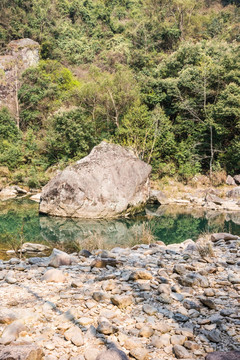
{"type": "Point", "coordinates": [109, 182]}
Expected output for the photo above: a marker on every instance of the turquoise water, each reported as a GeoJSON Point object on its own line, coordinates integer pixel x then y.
{"type": "Point", "coordinates": [20, 222]}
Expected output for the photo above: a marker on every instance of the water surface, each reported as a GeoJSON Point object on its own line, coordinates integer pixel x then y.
{"type": "Point", "coordinates": [20, 222]}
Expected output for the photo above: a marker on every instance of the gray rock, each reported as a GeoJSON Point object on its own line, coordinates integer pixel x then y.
{"type": "Point", "coordinates": [34, 247]}
{"type": "Point", "coordinates": [88, 188]}
{"type": "Point", "coordinates": [112, 354]}
{"type": "Point", "coordinates": [237, 179]}
{"type": "Point", "coordinates": [106, 328]}
{"type": "Point", "coordinates": [208, 302]}
{"type": "Point", "coordinates": [157, 197]}
{"type": "Point", "coordinates": [149, 309]}
{"type": "Point", "coordinates": [230, 180]}
{"type": "Point", "coordinates": [223, 236]}
{"type": "Point", "coordinates": [180, 317]}
{"type": "Point", "coordinates": [181, 352]}
{"type": "Point", "coordinates": [179, 269]}
{"type": "Point", "coordinates": [84, 253]}
{"type": "Point", "coordinates": [59, 258]}
{"type": "Point", "coordinates": [234, 193]}
{"type": "Point", "coordinates": [221, 355]}
{"type": "Point", "coordinates": [21, 352]}
{"type": "Point", "coordinates": [213, 336]}
{"type": "Point", "coordinates": [139, 353]}
{"type": "Point", "coordinates": [214, 199]}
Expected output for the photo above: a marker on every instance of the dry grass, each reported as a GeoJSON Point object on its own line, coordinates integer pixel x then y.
{"type": "Point", "coordinates": [205, 247]}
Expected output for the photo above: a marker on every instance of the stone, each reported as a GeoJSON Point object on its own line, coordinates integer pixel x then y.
{"type": "Point", "coordinates": [234, 278]}
{"type": "Point", "coordinates": [213, 336]}
{"type": "Point", "coordinates": [59, 258]}
{"type": "Point", "coordinates": [161, 341]}
{"type": "Point", "coordinates": [214, 199]}
{"type": "Point", "coordinates": [6, 317]}
{"type": "Point", "coordinates": [221, 355]}
{"type": "Point", "coordinates": [102, 263]}
{"type": "Point", "coordinates": [230, 180]}
{"type": "Point", "coordinates": [179, 269]}
{"type": "Point", "coordinates": [85, 253]}
{"type": "Point", "coordinates": [157, 197]}
{"type": "Point", "coordinates": [106, 328]}
{"type": "Point", "coordinates": [208, 302]}
{"type": "Point", "coordinates": [112, 354]}
{"type": "Point", "coordinates": [180, 317]}
{"type": "Point", "coordinates": [234, 193]}
{"type": "Point", "coordinates": [91, 353]}
{"type": "Point", "coordinates": [181, 352]}
{"type": "Point", "coordinates": [140, 275]}
{"type": "Point", "coordinates": [11, 332]}
{"type": "Point", "coordinates": [178, 339]}
{"type": "Point", "coordinates": [122, 301]}
{"type": "Point", "coordinates": [223, 236]}
{"type": "Point", "coordinates": [34, 247]}
{"type": "Point", "coordinates": [54, 275]}
{"type": "Point", "coordinates": [149, 309]}
{"type": "Point", "coordinates": [88, 188]}
{"type": "Point", "coordinates": [84, 321]}
{"type": "Point", "coordinates": [146, 331]}
{"type": "Point", "coordinates": [36, 197]}
{"type": "Point", "coordinates": [74, 334]}
{"type": "Point", "coordinates": [139, 353]}
{"type": "Point", "coordinates": [21, 352]}
{"type": "Point", "coordinates": [237, 179]}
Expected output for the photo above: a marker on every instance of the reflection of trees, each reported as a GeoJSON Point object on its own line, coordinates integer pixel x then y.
{"type": "Point", "coordinates": [165, 223]}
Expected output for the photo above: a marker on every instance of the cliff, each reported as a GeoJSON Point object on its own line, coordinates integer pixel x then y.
{"type": "Point", "coordinates": [20, 55]}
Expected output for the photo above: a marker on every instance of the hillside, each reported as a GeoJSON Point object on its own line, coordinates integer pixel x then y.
{"type": "Point", "coordinates": [160, 76]}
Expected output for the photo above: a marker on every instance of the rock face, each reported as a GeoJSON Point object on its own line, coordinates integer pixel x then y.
{"type": "Point", "coordinates": [20, 55]}
{"type": "Point", "coordinates": [109, 182]}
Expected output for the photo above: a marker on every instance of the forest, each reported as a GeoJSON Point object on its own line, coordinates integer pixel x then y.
{"type": "Point", "coordinates": [160, 76]}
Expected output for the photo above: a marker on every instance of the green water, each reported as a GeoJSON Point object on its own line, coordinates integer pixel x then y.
{"type": "Point", "coordinates": [20, 221]}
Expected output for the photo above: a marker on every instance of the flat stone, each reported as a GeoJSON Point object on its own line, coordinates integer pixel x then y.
{"type": "Point", "coordinates": [223, 236]}
{"type": "Point", "coordinates": [221, 355]}
{"type": "Point", "coordinates": [112, 354]}
{"type": "Point", "coordinates": [54, 275]}
{"type": "Point", "coordinates": [21, 352]}
{"type": "Point", "coordinates": [11, 332]}
{"type": "Point", "coordinates": [122, 301]}
{"type": "Point", "coordinates": [139, 353]}
{"type": "Point", "coordinates": [208, 302]}
{"type": "Point", "coordinates": [140, 274]}
{"type": "Point", "coordinates": [149, 309]}
{"type": "Point", "coordinates": [181, 352]}
{"type": "Point", "coordinates": [74, 334]}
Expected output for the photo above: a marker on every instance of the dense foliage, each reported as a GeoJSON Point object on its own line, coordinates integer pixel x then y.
{"type": "Point", "coordinates": [161, 76]}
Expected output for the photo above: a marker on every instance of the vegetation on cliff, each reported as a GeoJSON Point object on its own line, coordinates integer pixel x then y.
{"type": "Point", "coordinates": [160, 76]}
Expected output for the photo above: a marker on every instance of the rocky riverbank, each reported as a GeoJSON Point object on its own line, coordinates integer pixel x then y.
{"type": "Point", "coordinates": [151, 301]}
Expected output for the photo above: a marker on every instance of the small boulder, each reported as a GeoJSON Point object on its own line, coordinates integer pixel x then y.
{"type": "Point", "coordinates": [237, 179]}
{"type": "Point", "coordinates": [74, 334]}
{"type": "Point", "coordinates": [21, 352]}
{"type": "Point", "coordinates": [59, 258]}
{"type": "Point", "coordinates": [221, 355]}
{"type": "Point", "coordinates": [88, 188]}
{"type": "Point", "coordinates": [230, 180]}
{"type": "Point", "coordinates": [181, 352]}
{"type": "Point", "coordinates": [112, 354]}
{"type": "Point", "coordinates": [122, 301]}
{"type": "Point", "coordinates": [234, 193]}
{"type": "Point", "coordinates": [11, 332]}
{"type": "Point", "coordinates": [54, 275]}
{"type": "Point", "coordinates": [223, 236]}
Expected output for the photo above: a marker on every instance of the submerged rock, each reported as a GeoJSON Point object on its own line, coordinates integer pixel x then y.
{"type": "Point", "coordinates": [109, 182]}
